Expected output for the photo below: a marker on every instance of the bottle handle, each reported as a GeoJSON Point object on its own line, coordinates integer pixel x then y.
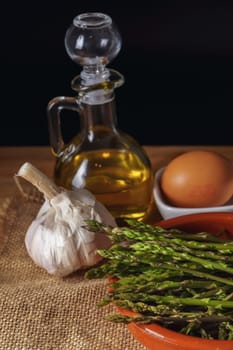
{"type": "Point", "coordinates": [54, 108]}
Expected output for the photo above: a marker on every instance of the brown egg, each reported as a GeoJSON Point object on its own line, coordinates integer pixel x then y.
{"type": "Point", "coordinates": [198, 179]}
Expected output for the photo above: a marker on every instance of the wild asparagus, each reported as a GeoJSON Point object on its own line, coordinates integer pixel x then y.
{"type": "Point", "coordinates": [180, 280]}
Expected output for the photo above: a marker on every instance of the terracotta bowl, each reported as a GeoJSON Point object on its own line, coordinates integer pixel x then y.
{"type": "Point", "coordinates": [155, 337]}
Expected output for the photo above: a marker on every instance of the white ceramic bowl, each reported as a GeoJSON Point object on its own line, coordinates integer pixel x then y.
{"type": "Point", "coordinates": [167, 211]}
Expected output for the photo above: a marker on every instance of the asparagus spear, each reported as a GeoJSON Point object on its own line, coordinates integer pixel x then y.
{"type": "Point", "coordinates": [127, 257]}
{"type": "Point", "coordinates": [173, 300]}
{"type": "Point", "coordinates": [157, 249]}
{"type": "Point", "coordinates": [173, 232]}
{"type": "Point", "coordinates": [169, 319]}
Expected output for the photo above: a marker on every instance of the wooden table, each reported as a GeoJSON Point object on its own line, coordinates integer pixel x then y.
{"type": "Point", "coordinates": [37, 309]}
{"type": "Point", "coordinates": [11, 158]}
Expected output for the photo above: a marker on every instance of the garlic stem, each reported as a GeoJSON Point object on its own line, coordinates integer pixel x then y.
{"type": "Point", "coordinates": [41, 181]}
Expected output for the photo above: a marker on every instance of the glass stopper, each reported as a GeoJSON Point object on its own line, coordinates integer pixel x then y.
{"type": "Point", "coordinates": [92, 41]}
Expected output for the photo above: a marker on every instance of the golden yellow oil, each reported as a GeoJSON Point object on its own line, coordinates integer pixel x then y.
{"type": "Point", "coordinates": [118, 178]}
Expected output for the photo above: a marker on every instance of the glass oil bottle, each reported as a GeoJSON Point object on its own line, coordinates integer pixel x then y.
{"type": "Point", "coordinates": [101, 158]}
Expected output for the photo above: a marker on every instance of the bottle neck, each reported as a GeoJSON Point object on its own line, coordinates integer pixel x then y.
{"type": "Point", "coordinates": [96, 116]}
{"type": "Point", "coordinates": [97, 97]}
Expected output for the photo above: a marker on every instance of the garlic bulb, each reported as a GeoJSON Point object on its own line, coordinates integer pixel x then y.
{"type": "Point", "coordinates": [57, 239]}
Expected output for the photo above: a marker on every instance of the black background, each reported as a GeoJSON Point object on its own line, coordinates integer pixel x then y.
{"type": "Point", "coordinates": [176, 57]}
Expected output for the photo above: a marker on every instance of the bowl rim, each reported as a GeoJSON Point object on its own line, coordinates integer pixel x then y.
{"type": "Point", "coordinates": [180, 340]}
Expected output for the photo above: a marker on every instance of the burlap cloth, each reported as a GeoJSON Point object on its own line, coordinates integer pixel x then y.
{"type": "Point", "coordinates": [44, 312]}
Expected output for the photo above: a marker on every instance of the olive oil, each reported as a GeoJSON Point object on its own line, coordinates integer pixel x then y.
{"type": "Point", "coordinates": [118, 179]}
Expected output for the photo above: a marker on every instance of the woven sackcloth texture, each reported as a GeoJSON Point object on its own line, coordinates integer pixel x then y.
{"type": "Point", "coordinates": [39, 311]}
